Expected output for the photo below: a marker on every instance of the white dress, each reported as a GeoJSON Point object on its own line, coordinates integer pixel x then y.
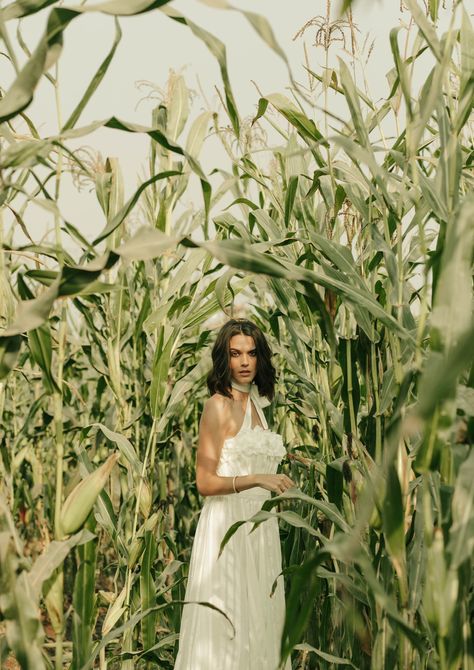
{"type": "Point", "coordinates": [240, 581]}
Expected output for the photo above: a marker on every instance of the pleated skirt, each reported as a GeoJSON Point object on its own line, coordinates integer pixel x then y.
{"type": "Point", "coordinates": [240, 584]}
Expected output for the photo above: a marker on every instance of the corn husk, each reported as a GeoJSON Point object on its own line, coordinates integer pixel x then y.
{"type": "Point", "coordinates": [136, 550]}
{"type": "Point", "coordinates": [81, 500]}
{"type": "Point", "coordinates": [145, 500]}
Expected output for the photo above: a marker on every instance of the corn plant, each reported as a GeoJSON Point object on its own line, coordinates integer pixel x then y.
{"type": "Point", "coordinates": [355, 248]}
{"type": "Point", "coordinates": [378, 365]}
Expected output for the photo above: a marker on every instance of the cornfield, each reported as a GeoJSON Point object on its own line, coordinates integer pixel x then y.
{"type": "Point", "coordinates": [348, 238]}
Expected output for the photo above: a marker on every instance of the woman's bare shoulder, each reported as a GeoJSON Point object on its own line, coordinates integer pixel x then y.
{"type": "Point", "coordinates": [217, 407]}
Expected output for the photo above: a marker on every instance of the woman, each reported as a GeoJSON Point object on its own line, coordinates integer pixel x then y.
{"type": "Point", "coordinates": [237, 459]}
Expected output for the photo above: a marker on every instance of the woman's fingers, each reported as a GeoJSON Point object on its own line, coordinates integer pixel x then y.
{"type": "Point", "coordinates": [281, 483]}
{"type": "Point", "coordinates": [284, 484]}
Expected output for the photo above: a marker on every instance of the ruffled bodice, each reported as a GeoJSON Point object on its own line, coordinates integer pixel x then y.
{"type": "Point", "coordinates": [252, 450]}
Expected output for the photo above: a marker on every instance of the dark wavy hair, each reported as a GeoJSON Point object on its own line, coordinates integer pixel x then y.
{"type": "Point", "coordinates": [219, 379]}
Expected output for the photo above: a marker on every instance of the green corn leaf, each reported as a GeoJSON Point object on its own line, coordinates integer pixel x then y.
{"type": "Point", "coordinates": [223, 289]}
{"type": "Point", "coordinates": [124, 445]}
{"type": "Point", "coordinates": [461, 534]}
{"type": "Point", "coordinates": [96, 80]}
{"type": "Point", "coordinates": [197, 133]}
{"type": "Point", "coordinates": [261, 26]}
{"type": "Point", "coordinates": [161, 364]}
{"type": "Point", "coordinates": [121, 215]}
{"type": "Point", "coordinates": [177, 108]}
{"type": "Point", "coordinates": [84, 600]}
{"type": "Point", "coordinates": [24, 632]}
{"type": "Point", "coordinates": [452, 303]}
{"type": "Point", "coordinates": [393, 517]}
{"type": "Point", "coordinates": [20, 94]}
{"type": "Point", "coordinates": [146, 243]}
{"type": "Point", "coordinates": [466, 40]}
{"type": "Point", "coordinates": [21, 8]}
{"type": "Point", "coordinates": [126, 7]}
{"type": "Point", "coordinates": [33, 313]}
{"type": "Point", "coordinates": [429, 98]}
{"type": "Point", "coordinates": [39, 341]}
{"type": "Point", "coordinates": [290, 517]}
{"type": "Point", "coordinates": [156, 134]}
{"type": "Point", "coordinates": [387, 602]}
{"type": "Point", "coordinates": [328, 509]}
{"type": "Point", "coordinates": [238, 254]}
{"type": "Point", "coordinates": [290, 198]}
{"type": "Point", "coordinates": [115, 612]}
{"type": "Point", "coordinates": [352, 100]}
{"type": "Point", "coordinates": [261, 109]}
{"type": "Point", "coordinates": [466, 91]}
{"type": "Point", "coordinates": [300, 603]}
{"type": "Point", "coordinates": [9, 351]}
{"type": "Point", "coordinates": [52, 558]}
{"type": "Point", "coordinates": [166, 641]}
{"type": "Point", "coordinates": [136, 618]}
{"type": "Point", "coordinates": [441, 587]}
{"type": "Point", "coordinates": [338, 254]}
{"type": "Point", "coordinates": [434, 9]}
{"type": "Point", "coordinates": [218, 50]}
{"type": "Point", "coordinates": [360, 155]}
{"type": "Point", "coordinates": [147, 591]}
{"type": "Point", "coordinates": [330, 658]}
{"type": "Point", "coordinates": [426, 28]}
{"type": "Point", "coordinates": [350, 391]}
{"type": "Point", "coordinates": [305, 127]}
{"type": "Point", "coordinates": [332, 83]}
{"type": "Point", "coordinates": [402, 71]}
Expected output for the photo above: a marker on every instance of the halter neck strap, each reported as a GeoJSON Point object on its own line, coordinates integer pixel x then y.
{"type": "Point", "coordinates": [258, 400]}
{"type": "Point", "coordinates": [245, 388]}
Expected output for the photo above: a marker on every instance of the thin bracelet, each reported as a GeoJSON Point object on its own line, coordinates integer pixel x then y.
{"type": "Point", "coordinates": [233, 484]}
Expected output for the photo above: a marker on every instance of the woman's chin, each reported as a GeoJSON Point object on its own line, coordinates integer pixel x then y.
{"type": "Point", "coordinates": [244, 378]}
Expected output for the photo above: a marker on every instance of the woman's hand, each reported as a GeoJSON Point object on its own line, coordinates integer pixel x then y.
{"type": "Point", "coordinates": [276, 483]}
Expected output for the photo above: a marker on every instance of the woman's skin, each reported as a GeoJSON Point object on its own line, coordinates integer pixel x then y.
{"type": "Point", "coordinates": [222, 419]}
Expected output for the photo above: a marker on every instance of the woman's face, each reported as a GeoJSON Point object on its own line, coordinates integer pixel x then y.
{"type": "Point", "coordinates": [243, 358]}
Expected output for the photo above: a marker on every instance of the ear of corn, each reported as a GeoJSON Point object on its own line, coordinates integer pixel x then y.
{"type": "Point", "coordinates": [81, 500]}
{"type": "Point", "coordinates": [54, 600]}
{"type": "Point", "coordinates": [145, 500]}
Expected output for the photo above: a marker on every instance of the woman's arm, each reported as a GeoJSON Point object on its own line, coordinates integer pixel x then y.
{"type": "Point", "coordinates": [213, 430]}
{"type": "Point", "coordinates": [212, 433]}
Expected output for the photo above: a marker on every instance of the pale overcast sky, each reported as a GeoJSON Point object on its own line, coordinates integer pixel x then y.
{"type": "Point", "coordinates": [152, 44]}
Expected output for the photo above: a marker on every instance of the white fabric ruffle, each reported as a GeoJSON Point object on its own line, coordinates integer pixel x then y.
{"type": "Point", "coordinates": [254, 442]}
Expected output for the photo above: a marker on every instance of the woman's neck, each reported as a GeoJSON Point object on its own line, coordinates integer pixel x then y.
{"type": "Point", "coordinates": [243, 388]}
